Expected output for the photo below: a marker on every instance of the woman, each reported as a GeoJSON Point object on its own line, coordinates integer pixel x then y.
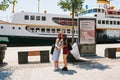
{"type": "Point", "coordinates": [56, 52]}
{"type": "Point", "coordinates": [65, 51]}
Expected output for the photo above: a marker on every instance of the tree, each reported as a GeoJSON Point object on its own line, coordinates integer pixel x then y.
{"type": "Point", "coordinates": [4, 5]}
{"type": "Point", "coordinates": [13, 2]}
{"type": "Point", "coordinates": [73, 6]}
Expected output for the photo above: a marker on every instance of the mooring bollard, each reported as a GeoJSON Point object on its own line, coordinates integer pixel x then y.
{"type": "Point", "coordinates": [3, 47]}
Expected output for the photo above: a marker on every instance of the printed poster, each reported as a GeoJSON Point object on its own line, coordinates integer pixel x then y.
{"type": "Point", "coordinates": [87, 31]}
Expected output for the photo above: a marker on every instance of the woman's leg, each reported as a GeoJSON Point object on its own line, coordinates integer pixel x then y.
{"type": "Point", "coordinates": [57, 64]}
{"type": "Point", "coordinates": [54, 63]}
{"type": "Point", "coordinates": [65, 60]}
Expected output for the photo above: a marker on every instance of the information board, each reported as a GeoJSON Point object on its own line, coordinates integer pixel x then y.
{"type": "Point", "coordinates": [87, 31]}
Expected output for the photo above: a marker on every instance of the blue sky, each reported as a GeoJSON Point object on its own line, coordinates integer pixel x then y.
{"type": "Point", "coordinates": [49, 5]}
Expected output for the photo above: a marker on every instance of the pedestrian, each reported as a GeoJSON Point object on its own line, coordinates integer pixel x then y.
{"type": "Point", "coordinates": [65, 51]}
{"type": "Point", "coordinates": [57, 51]}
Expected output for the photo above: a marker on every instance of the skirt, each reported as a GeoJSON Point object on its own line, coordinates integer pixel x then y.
{"type": "Point", "coordinates": [65, 50]}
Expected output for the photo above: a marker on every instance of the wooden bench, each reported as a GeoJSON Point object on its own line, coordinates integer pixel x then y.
{"type": "Point", "coordinates": [23, 56]}
{"type": "Point", "coordinates": [117, 49]}
{"type": "Point", "coordinates": [111, 52]}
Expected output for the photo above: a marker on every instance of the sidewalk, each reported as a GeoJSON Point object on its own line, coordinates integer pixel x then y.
{"type": "Point", "coordinates": [89, 68]}
{"type": "Point", "coordinates": [95, 69]}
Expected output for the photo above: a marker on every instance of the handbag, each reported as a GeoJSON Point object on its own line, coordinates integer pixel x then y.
{"type": "Point", "coordinates": [69, 46]}
{"type": "Point", "coordinates": [52, 49]}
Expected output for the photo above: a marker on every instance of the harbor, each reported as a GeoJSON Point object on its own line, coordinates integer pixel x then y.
{"type": "Point", "coordinates": [41, 29]}
{"type": "Point", "coordinates": [99, 67]}
{"type": "Point", "coordinates": [92, 41]}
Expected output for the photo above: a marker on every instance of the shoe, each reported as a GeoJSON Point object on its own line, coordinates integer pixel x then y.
{"type": "Point", "coordinates": [56, 68]}
{"type": "Point", "coordinates": [64, 69]}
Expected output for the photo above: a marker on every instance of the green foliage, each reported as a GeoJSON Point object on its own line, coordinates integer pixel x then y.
{"type": "Point", "coordinates": [4, 5]}
{"type": "Point", "coordinates": [13, 2]}
{"type": "Point", "coordinates": [70, 5]}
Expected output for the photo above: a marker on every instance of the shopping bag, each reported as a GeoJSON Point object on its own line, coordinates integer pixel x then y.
{"type": "Point", "coordinates": [75, 51]}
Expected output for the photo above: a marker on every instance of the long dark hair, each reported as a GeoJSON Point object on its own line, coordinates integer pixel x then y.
{"type": "Point", "coordinates": [64, 39]}
{"type": "Point", "coordinates": [59, 35]}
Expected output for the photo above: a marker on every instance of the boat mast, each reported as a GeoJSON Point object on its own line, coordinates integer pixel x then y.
{"type": "Point", "coordinates": [38, 6]}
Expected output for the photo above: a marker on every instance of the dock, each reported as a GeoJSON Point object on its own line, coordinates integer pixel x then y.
{"type": "Point", "coordinates": [89, 68]}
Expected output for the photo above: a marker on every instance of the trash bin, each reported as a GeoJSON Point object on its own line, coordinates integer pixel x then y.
{"type": "Point", "coordinates": [110, 52]}
{"type": "Point", "coordinates": [3, 47]}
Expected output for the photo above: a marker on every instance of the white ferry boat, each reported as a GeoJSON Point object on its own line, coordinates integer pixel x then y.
{"type": "Point", "coordinates": [29, 29]}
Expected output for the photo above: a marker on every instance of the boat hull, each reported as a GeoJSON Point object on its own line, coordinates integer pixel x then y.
{"type": "Point", "coordinates": [29, 41]}
{"type": "Point", "coordinates": [42, 41]}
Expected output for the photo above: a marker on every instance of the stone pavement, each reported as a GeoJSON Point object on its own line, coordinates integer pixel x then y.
{"type": "Point", "coordinates": [92, 68]}
{"type": "Point", "coordinates": [88, 68]}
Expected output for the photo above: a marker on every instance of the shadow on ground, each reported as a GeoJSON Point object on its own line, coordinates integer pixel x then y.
{"type": "Point", "coordinates": [90, 63]}
{"type": "Point", "coordinates": [5, 72]}
{"type": "Point", "coordinates": [69, 72]}
{"type": "Point", "coordinates": [3, 64]}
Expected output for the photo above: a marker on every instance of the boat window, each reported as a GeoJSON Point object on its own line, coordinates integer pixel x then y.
{"type": "Point", "coordinates": [32, 17]}
{"type": "Point", "coordinates": [99, 21]}
{"type": "Point", "coordinates": [103, 21]}
{"type": "Point", "coordinates": [118, 13]}
{"type": "Point", "coordinates": [37, 17]}
{"type": "Point", "coordinates": [48, 30]}
{"type": "Point", "coordinates": [115, 22]}
{"type": "Point", "coordinates": [64, 21]}
{"type": "Point", "coordinates": [94, 10]}
{"type": "Point", "coordinates": [118, 22]}
{"type": "Point", "coordinates": [58, 30]}
{"type": "Point", "coordinates": [43, 30]}
{"type": "Point", "coordinates": [43, 18]}
{"type": "Point", "coordinates": [110, 22]}
{"type": "Point", "coordinates": [90, 11]}
{"type": "Point", "coordinates": [19, 28]}
{"type": "Point", "coordinates": [68, 30]}
{"type": "Point", "coordinates": [95, 15]}
{"type": "Point", "coordinates": [13, 27]}
{"type": "Point", "coordinates": [26, 17]}
{"type": "Point", "coordinates": [99, 10]}
{"type": "Point", "coordinates": [1, 27]}
{"type": "Point", "coordinates": [107, 22]}
{"type": "Point", "coordinates": [53, 30]}
{"type": "Point", "coordinates": [37, 28]}
{"type": "Point", "coordinates": [32, 29]}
